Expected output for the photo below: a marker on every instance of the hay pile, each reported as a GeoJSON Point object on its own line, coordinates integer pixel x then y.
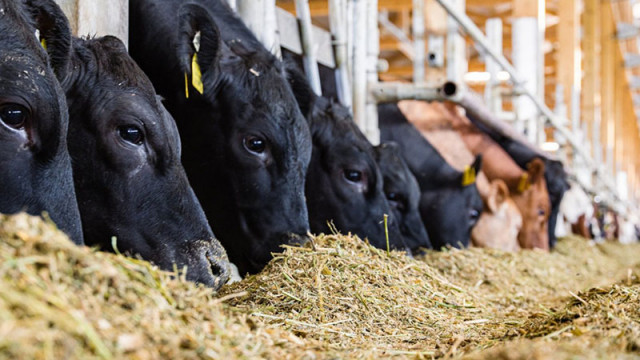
{"type": "Point", "coordinates": [337, 297]}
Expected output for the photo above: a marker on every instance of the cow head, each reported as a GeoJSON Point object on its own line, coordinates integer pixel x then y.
{"type": "Point", "coordinates": [344, 183]}
{"type": "Point", "coordinates": [500, 221]}
{"type": "Point", "coordinates": [532, 200]}
{"type": "Point", "coordinates": [403, 194]}
{"type": "Point", "coordinates": [247, 145]}
{"type": "Point", "coordinates": [450, 207]}
{"type": "Point", "coordinates": [36, 171]}
{"type": "Point", "coordinates": [126, 156]}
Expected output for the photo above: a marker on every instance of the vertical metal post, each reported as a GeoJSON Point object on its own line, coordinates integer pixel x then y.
{"type": "Point", "coordinates": [358, 65]}
{"type": "Point", "coordinates": [232, 4]}
{"type": "Point", "coordinates": [373, 50]}
{"type": "Point", "coordinates": [456, 58]}
{"type": "Point", "coordinates": [338, 25]}
{"type": "Point", "coordinates": [417, 28]}
{"type": "Point", "coordinates": [271, 33]}
{"type": "Point", "coordinates": [492, 89]}
{"type": "Point", "coordinates": [525, 56]}
{"type": "Point", "coordinates": [252, 14]}
{"type": "Point", "coordinates": [308, 49]}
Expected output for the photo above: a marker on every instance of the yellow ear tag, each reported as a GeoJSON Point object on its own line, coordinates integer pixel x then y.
{"type": "Point", "coordinates": [186, 85]}
{"type": "Point", "coordinates": [44, 44]}
{"type": "Point", "coordinates": [523, 185]}
{"type": "Point", "coordinates": [469, 176]}
{"type": "Point", "coordinates": [196, 75]}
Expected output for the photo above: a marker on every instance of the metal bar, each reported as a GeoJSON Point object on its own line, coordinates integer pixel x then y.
{"type": "Point", "coordinates": [417, 27]}
{"type": "Point", "coordinates": [477, 35]}
{"type": "Point", "coordinates": [309, 52]}
{"type": "Point", "coordinates": [338, 25]}
{"type": "Point", "coordinates": [271, 33]}
{"type": "Point", "coordinates": [492, 89]}
{"type": "Point", "coordinates": [405, 43]}
{"type": "Point", "coordinates": [372, 130]}
{"type": "Point", "coordinates": [359, 63]}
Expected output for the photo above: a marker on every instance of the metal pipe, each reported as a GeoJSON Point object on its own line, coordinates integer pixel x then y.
{"type": "Point", "coordinates": [359, 63]}
{"type": "Point", "coordinates": [373, 52]}
{"type": "Point", "coordinates": [417, 27]}
{"type": "Point", "coordinates": [338, 26]}
{"type": "Point", "coordinates": [477, 35]}
{"type": "Point", "coordinates": [308, 50]}
{"type": "Point", "coordinates": [271, 37]}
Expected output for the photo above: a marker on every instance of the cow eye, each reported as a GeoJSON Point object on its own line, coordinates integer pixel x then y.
{"type": "Point", "coordinates": [474, 214]}
{"type": "Point", "coordinates": [14, 115]}
{"type": "Point", "coordinates": [131, 133]}
{"type": "Point", "coordinates": [254, 144]}
{"type": "Point", "coordinates": [353, 175]}
{"type": "Point", "coordinates": [397, 200]}
{"type": "Point", "coordinates": [541, 212]}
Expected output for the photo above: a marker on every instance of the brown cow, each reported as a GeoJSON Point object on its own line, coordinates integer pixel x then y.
{"type": "Point", "coordinates": [527, 188]}
{"type": "Point", "coordinates": [500, 221]}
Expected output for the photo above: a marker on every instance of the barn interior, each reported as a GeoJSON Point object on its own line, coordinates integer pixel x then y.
{"type": "Point", "coordinates": [561, 77]}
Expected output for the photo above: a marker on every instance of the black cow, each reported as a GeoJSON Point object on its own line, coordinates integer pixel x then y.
{"type": "Point", "coordinates": [449, 206]}
{"type": "Point", "coordinates": [246, 143]}
{"type": "Point", "coordinates": [35, 169]}
{"type": "Point", "coordinates": [403, 195]}
{"type": "Point", "coordinates": [554, 173]}
{"type": "Point", "coordinates": [126, 160]}
{"type": "Point", "coordinates": [344, 183]}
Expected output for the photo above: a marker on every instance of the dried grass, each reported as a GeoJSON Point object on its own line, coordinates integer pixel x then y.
{"type": "Point", "coordinates": [336, 298]}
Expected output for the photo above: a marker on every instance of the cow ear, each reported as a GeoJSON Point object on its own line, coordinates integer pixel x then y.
{"type": "Point", "coordinates": [535, 170]}
{"type": "Point", "coordinates": [199, 45]}
{"type": "Point", "coordinates": [498, 194]}
{"type": "Point", "coordinates": [55, 33]}
{"type": "Point", "coordinates": [301, 88]}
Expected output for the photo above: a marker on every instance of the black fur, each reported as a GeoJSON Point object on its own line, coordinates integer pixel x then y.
{"type": "Point", "coordinates": [449, 210]}
{"type": "Point", "coordinates": [403, 195]}
{"type": "Point", "coordinates": [138, 193]}
{"type": "Point", "coordinates": [254, 202]}
{"type": "Point", "coordinates": [35, 169]}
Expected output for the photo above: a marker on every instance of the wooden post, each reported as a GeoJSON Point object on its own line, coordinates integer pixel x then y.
{"type": "Point", "coordinates": [591, 61]}
{"type": "Point", "coordinates": [91, 17]}
{"type": "Point", "coordinates": [607, 77]}
{"type": "Point", "coordinates": [569, 72]}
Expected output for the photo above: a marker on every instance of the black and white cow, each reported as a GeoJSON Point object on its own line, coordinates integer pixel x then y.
{"type": "Point", "coordinates": [35, 169]}
{"type": "Point", "coordinates": [246, 144]}
{"type": "Point", "coordinates": [403, 195]}
{"type": "Point", "coordinates": [450, 203]}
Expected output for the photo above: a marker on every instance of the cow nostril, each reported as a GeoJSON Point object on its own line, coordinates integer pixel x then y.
{"type": "Point", "coordinates": [219, 267]}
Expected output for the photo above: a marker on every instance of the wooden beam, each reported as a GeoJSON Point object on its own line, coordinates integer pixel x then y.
{"type": "Point", "coordinates": [591, 66]}
{"type": "Point", "coordinates": [607, 77]}
{"type": "Point", "coordinates": [568, 66]}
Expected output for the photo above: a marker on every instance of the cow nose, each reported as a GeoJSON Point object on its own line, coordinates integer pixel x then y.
{"type": "Point", "coordinates": [298, 239]}
{"type": "Point", "coordinates": [220, 268]}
